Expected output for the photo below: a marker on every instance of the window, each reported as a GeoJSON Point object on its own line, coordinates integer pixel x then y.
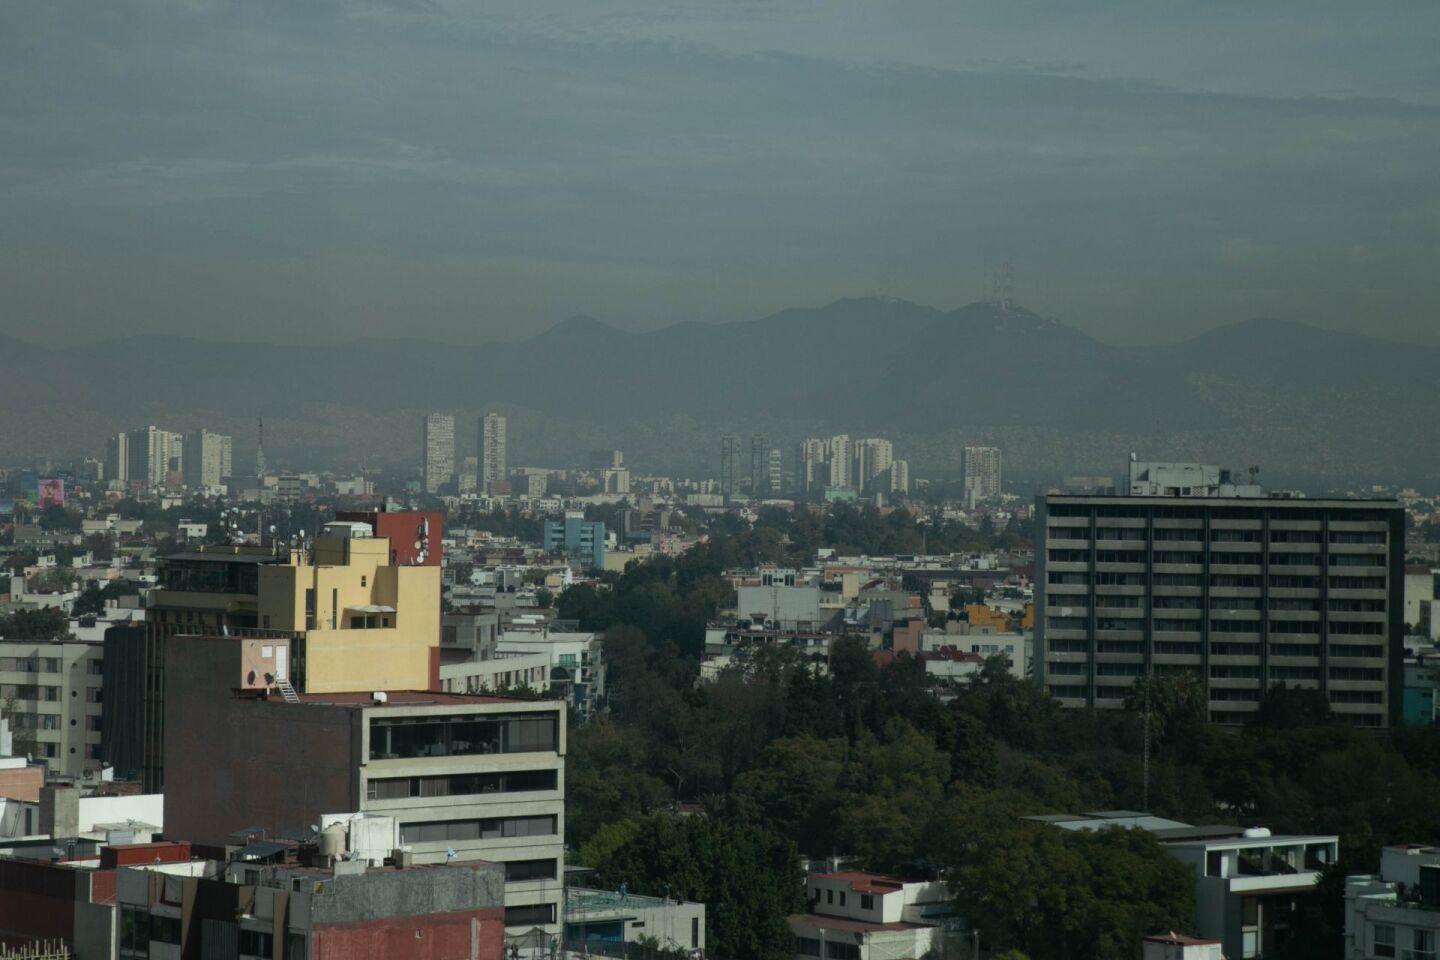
{"type": "Point", "coordinates": [829, 896]}
{"type": "Point", "coordinates": [1382, 938]}
{"type": "Point", "coordinates": [842, 898]}
{"type": "Point", "coordinates": [255, 943]}
{"type": "Point", "coordinates": [134, 932]}
{"type": "Point", "coordinates": [867, 901]}
{"type": "Point", "coordinates": [490, 828]}
{"type": "Point", "coordinates": [529, 915]}
{"type": "Point", "coordinates": [835, 950]}
{"type": "Point", "coordinates": [429, 736]}
{"type": "Point", "coordinates": [519, 871]}
{"type": "Point", "coordinates": [695, 933]}
{"type": "Point", "coordinates": [807, 946]}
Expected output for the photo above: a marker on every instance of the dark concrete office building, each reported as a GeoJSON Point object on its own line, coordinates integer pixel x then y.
{"type": "Point", "coordinates": [1244, 592]}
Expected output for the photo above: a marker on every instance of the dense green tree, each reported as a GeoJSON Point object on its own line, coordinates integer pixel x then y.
{"type": "Point", "coordinates": [46, 624]}
{"type": "Point", "coordinates": [748, 878]}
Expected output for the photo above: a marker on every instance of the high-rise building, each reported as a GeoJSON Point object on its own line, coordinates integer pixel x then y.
{"type": "Point", "coordinates": [207, 459]}
{"type": "Point", "coordinates": [465, 477]}
{"type": "Point", "coordinates": [839, 461]}
{"type": "Point", "coordinates": [810, 469]}
{"type": "Point", "coordinates": [900, 476]}
{"type": "Point", "coordinates": [439, 451]}
{"type": "Point", "coordinates": [117, 457]}
{"type": "Point", "coordinates": [774, 472]}
{"type": "Point", "coordinates": [873, 457]}
{"type": "Point", "coordinates": [759, 465]}
{"type": "Point", "coordinates": [1243, 592]}
{"type": "Point", "coordinates": [152, 455]}
{"type": "Point", "coordinates": [492, 452]}
{"type": "Point", "coordinates": [729, 465]}
{"type": "Point", "coordinates": [981, 473]}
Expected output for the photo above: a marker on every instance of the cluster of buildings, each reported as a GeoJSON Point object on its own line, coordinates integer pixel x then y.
{"type": "Point", "coordinates": [151, 457]}
{"type": "Point", "coordinates": [325, 754]}
{"type": "Point", "coordinates": [484, 473]}
{"type": "Point", "coordinates": [918, 606]}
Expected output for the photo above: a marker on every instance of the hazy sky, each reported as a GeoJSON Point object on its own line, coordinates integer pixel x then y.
{"type": "Point", "coordinates": [319, 169]}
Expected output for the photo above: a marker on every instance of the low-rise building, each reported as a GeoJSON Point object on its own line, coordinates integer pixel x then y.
{"type": "Point", "coordinates": [1248, 883]}
{"type": "Point", "coordinates": [1396, 913]}
{"type": "Point", "coordinates": [603, 921]}
{"type": "Point", "coordinates": [856, 915]}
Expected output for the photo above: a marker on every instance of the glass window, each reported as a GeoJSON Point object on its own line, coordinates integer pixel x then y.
{"type": "Point", "coordinates": [1383, 939]}
{"type": "Point", "coordinates": [255, 943]}
{"type": "Point", "coordinates": [807, 946]}
{"type": "Point", "coordinates": [518, 871]}
{"type": "Point", "coordinates": [530, 914]}
{"type": "Point", "coordinates": [836, 950]}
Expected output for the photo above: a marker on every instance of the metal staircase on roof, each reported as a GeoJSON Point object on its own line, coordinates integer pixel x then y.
{"type": "Point", "coordinates": [286, 690]}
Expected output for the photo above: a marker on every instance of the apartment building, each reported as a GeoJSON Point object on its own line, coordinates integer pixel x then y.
{"type": "Point", "coordinates": [1243, 592]}
{"type": "Point", "coordinates": [438, 468]}
{"type": "Point", "coordinates": [51, 695]}
{"type": "Point", "coordinates": [366, 623]}
{"type": "Point", "coordinates": [208, 459]}
{"type": "Point", "coordinates": [465, 777]}
{"type": "Point", "coordinates": [492, 452]}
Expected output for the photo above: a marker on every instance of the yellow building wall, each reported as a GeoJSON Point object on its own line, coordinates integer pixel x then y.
{"type": "Point", "coordinates": [347, 574]}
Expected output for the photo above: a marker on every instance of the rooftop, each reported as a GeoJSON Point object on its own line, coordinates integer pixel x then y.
{"type": "Point", "coordinates": [864, 882]}
{"type": "Point", "coordinates": [822, 922]}
{"type": "Point", "coordinates": [1180, 940]}
{"type": "Point", "coordinates": [407, 698]}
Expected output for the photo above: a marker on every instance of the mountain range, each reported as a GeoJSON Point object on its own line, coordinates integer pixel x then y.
{"type": "Point", "coordinates": [1309, 405]}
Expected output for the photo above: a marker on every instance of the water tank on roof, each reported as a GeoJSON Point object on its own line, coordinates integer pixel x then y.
{"type": "Point", "coordinates": [1256, 833]}
{"type": "Point", "coordinates": [332, 841]}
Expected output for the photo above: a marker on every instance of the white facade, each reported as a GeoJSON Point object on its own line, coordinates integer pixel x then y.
{"type": "Point", "coordinates": [868, 916]}
{"type": "Point", "coordinates": [1394, 915]}
{"type": "Point", "coordinates": [51, 691]}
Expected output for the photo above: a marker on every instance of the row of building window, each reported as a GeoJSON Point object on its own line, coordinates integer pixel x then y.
{"type": "Point", "coordinates": [1197, 535]}
{"type": "Point", "coordinates": [489, 828]}
{"type": "Point", "coordinates": [834, 949]}
{"type": "Point", "coordinates": [459, 784]}
{"type": "Point", "coordinates": [29, 664]}
{"type": "Point", "coordinates": [408, 738]}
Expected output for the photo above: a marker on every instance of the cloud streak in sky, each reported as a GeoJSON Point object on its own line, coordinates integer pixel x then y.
{"type": "Point", "coordinates": [476, 171]}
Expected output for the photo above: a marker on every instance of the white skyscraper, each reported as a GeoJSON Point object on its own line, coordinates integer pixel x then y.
{"type": "Point", "coordinates": [873, 457]}
{"type": "Point", "coordinates": [207, 459]}
{"type": "Point", "coordinates": [982, 473]}
{"type": "Point", "coordinates": [152, 454]}
{"type": "Point", "coordinates": [839, 460]}
{"type": "Point", "coordinates": [900, 476]}
{"type": "Point", "coordinates": [492, 451]}
{"type": "Point", "coordinates": [439, 451]}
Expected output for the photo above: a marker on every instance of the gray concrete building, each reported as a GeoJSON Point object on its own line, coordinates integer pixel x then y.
{"type": "Point", "coordinates": [1242, 592]}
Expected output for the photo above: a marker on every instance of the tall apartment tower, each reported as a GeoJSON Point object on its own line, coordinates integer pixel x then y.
{"type": "Point", "coordinates": [492, 452]}
{"type": "Point", "coordinates": [873, 457]}
{"type": "Point", "coordinates": [439, 451]}
{"type": "Point", "coordinates": [152, 454]}
{"type": "Point", "coordinates": [839, 461]}
{"type": "Point", "coordinates": [1242, 591]}
{"type": "Point", "coordinates": [774, 472]}
{"type": "Point", "coordinates": [730, 464]}
{"type": "Point", "coordinates": [810, 469]}
{"type": "Point", "coordinates": [759, 465]}
{"type": "Point", "coordinates": [207, 459]}
{"type": "Point", "coordinates": [982, 473]}
{"type": "Point", "coordinates": [900, 476]}
{"type": "Point", "coordinates": [117, 457]}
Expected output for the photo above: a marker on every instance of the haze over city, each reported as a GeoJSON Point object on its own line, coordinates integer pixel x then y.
{"type": "Point", "coordinates": [469, 172]}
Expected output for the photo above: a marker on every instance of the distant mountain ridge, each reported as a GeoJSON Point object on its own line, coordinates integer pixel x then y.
{"type": "Point", "coordinates": [1307, 402]}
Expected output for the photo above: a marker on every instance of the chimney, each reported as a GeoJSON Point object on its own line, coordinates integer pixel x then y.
{"type": "Point", "coordinates": [60, 811]}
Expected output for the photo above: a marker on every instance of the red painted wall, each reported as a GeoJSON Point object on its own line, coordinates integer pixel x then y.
{"type": "Point", "coordinates": [403, 528]}
{"type": "Point", "coordinates": [464, 935]}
